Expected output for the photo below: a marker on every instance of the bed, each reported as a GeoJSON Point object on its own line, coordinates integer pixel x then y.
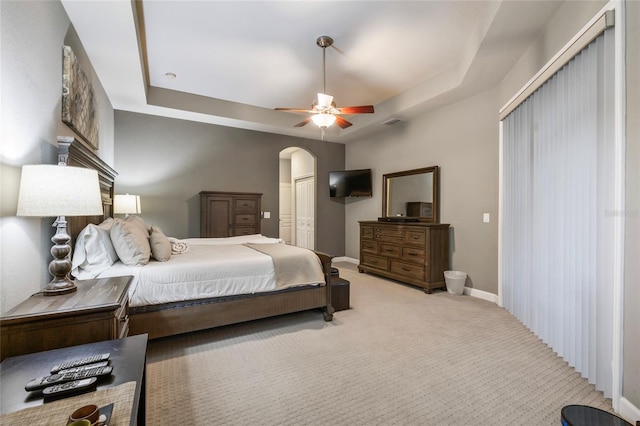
{"type": "Point", "coordinates": [258, 279]}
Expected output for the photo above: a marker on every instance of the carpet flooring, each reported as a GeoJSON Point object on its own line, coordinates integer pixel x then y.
{"type": "Point", "coordinates": [397, 357]}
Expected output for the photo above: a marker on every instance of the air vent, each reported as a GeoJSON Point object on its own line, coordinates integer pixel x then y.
{"type": "Point", "coordinates": [391, 121]}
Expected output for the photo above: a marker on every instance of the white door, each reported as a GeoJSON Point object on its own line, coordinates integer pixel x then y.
{"type": "Point", "coordinates": [284, 221]}
{"type": "Point", "coordinates": [305, 212]}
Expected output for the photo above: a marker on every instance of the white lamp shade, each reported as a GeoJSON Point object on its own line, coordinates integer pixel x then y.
{"type": "Point", "coordinates": [55, 190]}
{"type": "Point", "coordinates": [323, 120]}
{"type": "Point", "coordinates": [126, 204]}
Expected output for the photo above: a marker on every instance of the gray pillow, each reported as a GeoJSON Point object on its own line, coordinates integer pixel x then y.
{"type": "Point", "coordinates": [160, 244]}
{"type": "Point", "coordinates": [131, 243]}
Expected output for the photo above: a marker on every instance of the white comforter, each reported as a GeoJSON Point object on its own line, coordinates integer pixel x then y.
{"type": "Point", "coordinates": [212, 267]}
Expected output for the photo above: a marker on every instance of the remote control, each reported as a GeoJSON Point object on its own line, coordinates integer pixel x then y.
{"type": "Point", "coordinates": [78, 362]}
{"type": "Point", "coordinates": [47, 381]}
{"type": "Point", "coordinates": [69, 387]}
{"type": "Point", "coordinates": [83, 367]}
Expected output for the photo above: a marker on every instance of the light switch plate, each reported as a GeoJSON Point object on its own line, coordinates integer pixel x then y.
{"type": "Point", "coordinates": [486, 218]}
{"type": "Point", "coordinates": [267, 215]}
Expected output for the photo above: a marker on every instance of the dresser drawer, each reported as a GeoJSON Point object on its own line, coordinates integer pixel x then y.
{"type": "Point", "coordinates": [374, 261]}
{"type": "Point", "coordinates": [413, 254]}
{"type": "Point", "coordinates": [407, 269]}
{"type": "Point", "coordinates": [369, 247]}
{"type": "Point", "coordinates": [366, 232]}
{"type": "Point", "coordinates": [417, 237]}
{"type": "Point", "coordinates": [391, 235]}
{"type": "Point", "coordinates": [390, 250]}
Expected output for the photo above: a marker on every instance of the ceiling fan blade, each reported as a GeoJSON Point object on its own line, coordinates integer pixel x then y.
{"type": "Point", "coordinates": [294, 110]}
{"type": "Point", "coordinates": [303, 122]}
{"type": "Point", "coordinates": [363, 109]}
{"type": "Point", "coordinates": [342, 122]}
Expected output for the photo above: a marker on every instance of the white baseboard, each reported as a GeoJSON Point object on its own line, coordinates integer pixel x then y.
{"type": "Point", "coordinates": [480, 294]}
{"type": "Point", "coordinates": [628, 411]}
{"type": "Point", "coordinates": [484, 295]}
{"type": "Point", "coordinates": [346, 259]}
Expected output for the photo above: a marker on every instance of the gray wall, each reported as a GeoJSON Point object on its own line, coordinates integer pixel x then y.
{"type": "Point", "coordinates": [32, 35]}
{"type": "Point", "coordinates": [168, 162]}
{"type": "Point", "coordinates": [463, 140]}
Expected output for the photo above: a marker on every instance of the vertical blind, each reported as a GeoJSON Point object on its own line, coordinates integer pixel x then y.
{"type": "Point", "coordinates": [557, 231]}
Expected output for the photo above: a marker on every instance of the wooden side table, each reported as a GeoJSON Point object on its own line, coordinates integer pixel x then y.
{"type": "Point", "coordinates": [97, 311]}
{"type": "Point", "coordinates": [127, 357]}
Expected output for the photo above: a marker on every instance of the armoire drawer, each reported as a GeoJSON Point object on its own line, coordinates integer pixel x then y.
{"type": "Point", "coordinates": [245, 230]}
{"type": "Point", "coordinates": [245, 219]}
{"type": "Point", "coordinates": [245, 204]}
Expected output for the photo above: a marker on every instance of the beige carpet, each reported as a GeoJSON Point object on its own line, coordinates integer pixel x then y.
{"type": "Point", "coordinates": [398, 357]}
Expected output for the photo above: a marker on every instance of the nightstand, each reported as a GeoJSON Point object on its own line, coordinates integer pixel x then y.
{"type": "Point", "coordinates": [97, 311]}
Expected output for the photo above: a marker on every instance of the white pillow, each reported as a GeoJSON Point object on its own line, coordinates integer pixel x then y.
{"type": "Point", "coordinates": [160, 244]}
{"type": "Point", "coordinates": [131, 243]}
{"type": "Point", "coordinates": [94, 252]}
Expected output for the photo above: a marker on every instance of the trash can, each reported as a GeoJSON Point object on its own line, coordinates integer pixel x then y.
{"type": "Point", "coordinates": [455, 281]}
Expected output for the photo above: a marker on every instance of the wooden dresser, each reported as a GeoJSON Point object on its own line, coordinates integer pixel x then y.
{"type": "Point", "coordinates": [229, 214]}
{"type": "Point", "coordinates": [414, 253]}
{"type": "Point", "coordinates": [98, 310]}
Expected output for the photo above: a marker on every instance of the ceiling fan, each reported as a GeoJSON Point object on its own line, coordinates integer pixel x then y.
{"type": "Point", "coordinates": [324, 109]}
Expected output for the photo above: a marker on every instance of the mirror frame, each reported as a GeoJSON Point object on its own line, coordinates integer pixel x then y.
{"type": "Point", "coordinates": [436, 194]}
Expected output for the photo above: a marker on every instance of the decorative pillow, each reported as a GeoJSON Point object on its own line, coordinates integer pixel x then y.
{"type": "Point", "coordinates": [160, 245]}
{"type": "Point", "coordinates": [131, 243]}
{"type": "Point", "coordinates": [107, 224]}
{"type": "Point", "coordinates": [94, 252]}
{"type": "Point", "coordinates": [135, 220]}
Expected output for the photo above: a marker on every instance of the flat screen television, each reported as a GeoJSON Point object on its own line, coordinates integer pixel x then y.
{"type": "Point", "coordinates": [350, 183]}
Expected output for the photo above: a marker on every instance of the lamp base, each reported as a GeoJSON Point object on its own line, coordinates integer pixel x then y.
{"type": "Point", "coordinates": [58, 287]}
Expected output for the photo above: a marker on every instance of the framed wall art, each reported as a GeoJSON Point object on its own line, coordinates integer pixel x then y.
{"type": "Point", "coordinates": [79, 106]}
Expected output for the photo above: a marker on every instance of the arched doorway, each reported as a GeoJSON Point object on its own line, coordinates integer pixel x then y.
{"type": "Point", "coordinates": [297, 197]}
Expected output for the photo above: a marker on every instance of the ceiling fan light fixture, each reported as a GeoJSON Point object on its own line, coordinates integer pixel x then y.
{"type": "Point", "coordinates": [325, 101]}
{"type": "Point", "coordinates": [323, 120]}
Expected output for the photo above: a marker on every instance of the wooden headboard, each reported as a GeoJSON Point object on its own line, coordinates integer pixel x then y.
{"type": "Point", "coordinates": [74, 153]}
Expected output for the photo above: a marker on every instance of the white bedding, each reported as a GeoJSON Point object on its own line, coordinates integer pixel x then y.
{"type": "Point", "coordinates": [212, 267]}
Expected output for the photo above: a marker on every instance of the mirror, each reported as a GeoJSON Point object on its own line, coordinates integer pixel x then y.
{"type": "Point", "coordinates": [412, 194]}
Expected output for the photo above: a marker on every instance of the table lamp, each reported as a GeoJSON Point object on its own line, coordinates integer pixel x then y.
{"type": "Point", "coordinates": [59, 191]}
{"type": "Point", "coordinates": [126, 204]}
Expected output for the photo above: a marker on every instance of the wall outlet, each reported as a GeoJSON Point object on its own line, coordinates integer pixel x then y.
{"type": "Point", "coordinates": [486, 218]}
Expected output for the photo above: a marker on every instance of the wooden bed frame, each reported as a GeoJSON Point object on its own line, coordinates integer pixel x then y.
{"type": "Point", "coordinates": [183, 317]}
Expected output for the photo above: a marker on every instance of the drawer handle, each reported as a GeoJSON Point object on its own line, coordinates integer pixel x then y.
{"type": "Point", "coordinates": [388, 250]}
{"type": "Point", "coordinates": [124, 318]}
{"type": "Point", "coordinates": [412, 254]}
{"type": "Point", "coordinates": [415, 237]}
{"type": "Point", "coordinates": [245, 218]}
{"type": "Point", "coordinates": [406, 269]}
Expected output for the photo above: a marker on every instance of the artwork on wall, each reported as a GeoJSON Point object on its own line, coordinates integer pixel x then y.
{"type": "Point", "coordinates": [79, 109]}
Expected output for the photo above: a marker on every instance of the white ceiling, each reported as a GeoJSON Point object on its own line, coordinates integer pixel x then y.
{"type": "Point", "coordinates": [237, 60]}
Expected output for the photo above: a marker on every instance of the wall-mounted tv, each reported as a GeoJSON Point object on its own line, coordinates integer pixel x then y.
{"type": "Point", "coordinates": [350, 183]}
